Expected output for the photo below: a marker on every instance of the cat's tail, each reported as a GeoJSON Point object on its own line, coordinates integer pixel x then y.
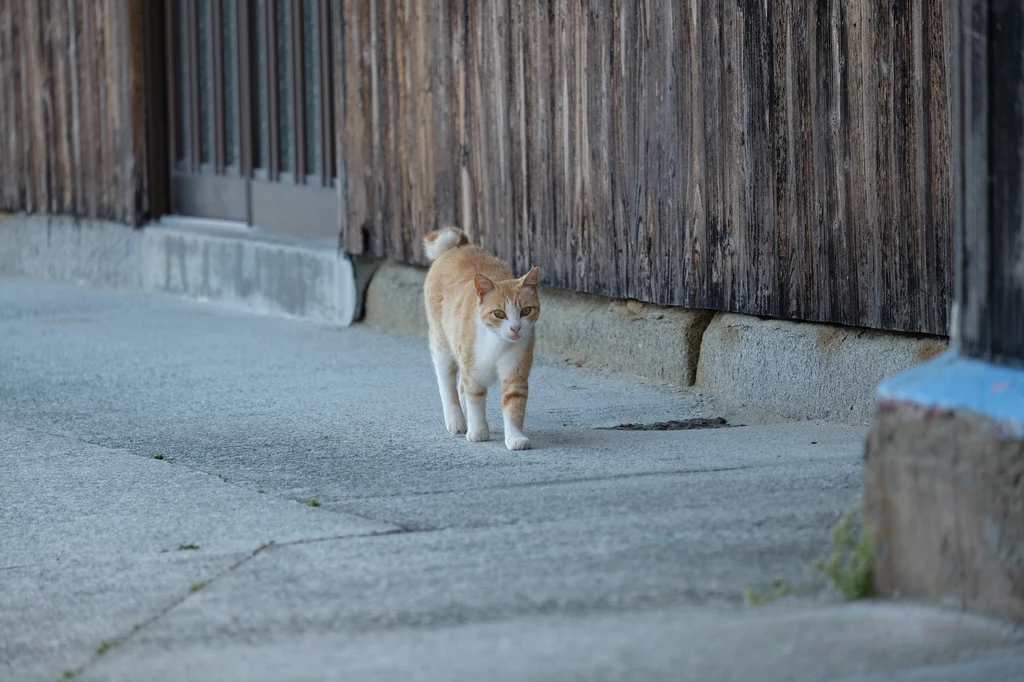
{"type": "Point", "coordinates": [439, 241]}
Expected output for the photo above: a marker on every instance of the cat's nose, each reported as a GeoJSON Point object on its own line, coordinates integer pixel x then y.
{"type": "Point", "coordinates": [515, 329]}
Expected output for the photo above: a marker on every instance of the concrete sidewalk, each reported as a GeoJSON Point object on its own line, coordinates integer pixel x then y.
{"type": "Point", "coordinates": [605, 555]}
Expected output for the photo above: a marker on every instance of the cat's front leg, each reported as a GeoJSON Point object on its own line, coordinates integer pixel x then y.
{"type": "Point", "coordinates": [446, 369]}
{"type": "Point", "coordinates": [514, 392]}
{"type": "Point", "coordinates": [475, 395]}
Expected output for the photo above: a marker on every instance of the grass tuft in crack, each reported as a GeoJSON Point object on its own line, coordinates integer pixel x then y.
{"type": "Point", "coordinates": [190, 545]}
{"type": "Point", "coordinates": [68, 674]}
{"type": "Point", "coordinates": [849, 568]}
{"type": "Point", "coordinates": [105, 646]}
{"type": "Point", "coordinates": [195, 587]}
{"type": "Point", "coordinates": [157, 456]}
{"type": "Point", "coordinates": [312, 502]}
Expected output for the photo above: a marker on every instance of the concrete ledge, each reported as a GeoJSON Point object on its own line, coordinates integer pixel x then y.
{"type": "Point", "coordinates": [804, 370]}
{"type": "Point", "coordinates": [651, 341]}
{"type": "Point", "coordinates": [227, 265]}
{"type": "Point", "coordinates": [394, 299]}
{"type": "Point", "coordinates": [794, 369]}
{"type": "Point", "coordinates": [944, 486]}
{"type": "Point", "coordinates": [645, 340]}
{"type": "Point", "coordinates": [70, 251]}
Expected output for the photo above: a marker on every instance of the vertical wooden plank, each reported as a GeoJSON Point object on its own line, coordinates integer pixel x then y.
{"type": "Point", "coordinates": [480, 166]}
{"type": "Point", "coordinates": [29, 103]}
{"type": "Point", "coordinates": [519, 258]}
{"type": "Point", "coordinates": [402, 177]}
{"type": "Point", "coordinates": [1005, 232]}
{"type": "Point", "coordinates": [938, 124]}
{"type": "Point", "coordinates": [58, 58]}
{"type": "Point", "coordinates": [690, 120]}
{"type": "Point", "coordinates": [111, 113]}
{"type": "Point", "coordinates": [803, 147]}
{"type": "Point", "coordinates": [712, 84]}
{"type": "Point", "coordinates": [133, 73]}
{"type": "Point", "coordinates": [153, 120]}
{"type": "Point", "coordinates": [736, 265]}
{"type": "Point", "coordinates": [833, 251]}
{"type": "Point", "coordinates": [423, 129]}
{"type": "Point", "coordinates": [11, 152]}
{"type": "Point", "coordinates": [598, 150]}
{"type": "Point", "coordinates": [539, 114]}
{"type": "Point", "coordinates": [762, 117]}
{"type": "Point", "coordinates": [576, 134]}
{"type": "Point", "coordinates": [817, 293]}
{"type": "Point", "coordinates": [356, 128]}
{"type": "Point", "coordinates": [886, 179]}
{"type": "Point", "coordinates": [858, 131]}
{"type": "Point", "coordinates": [905, 137]}
{"type": "Point", "coordinates": [444, 108]}
{"type": "Point", "coordinates": [558, 242]}
{"type": "Point", "coordinates": [394, 194]}
{"type": "Point", "coordinates": [989, 175]}
{"type": "Point", "coordinates": [658, 26]}
{"type": "Point", "coordinates": [500, 129]}
{"type": "Point", "coordinates": [378, 112]}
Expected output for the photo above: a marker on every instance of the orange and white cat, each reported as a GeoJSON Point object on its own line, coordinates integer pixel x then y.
{"type": "Point", "coordinates": [481, 331]}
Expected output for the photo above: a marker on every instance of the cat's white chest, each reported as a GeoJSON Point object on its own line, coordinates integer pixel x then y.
{"type": "Point", "coordinates": [493, 356]}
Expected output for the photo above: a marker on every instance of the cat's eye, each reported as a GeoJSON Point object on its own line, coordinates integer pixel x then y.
{"type": "Point", "coordinates": [500, 314]}
{"type": "Point", "coordinates": [525, 312]}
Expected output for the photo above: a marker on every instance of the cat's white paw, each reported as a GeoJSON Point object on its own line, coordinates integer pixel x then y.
{"type": "Point", "coordinates": [518, 443]}
{"type": "Point", "coordinates": [456, 424]}
{"type": "Point", "coordinates": [478, 435]}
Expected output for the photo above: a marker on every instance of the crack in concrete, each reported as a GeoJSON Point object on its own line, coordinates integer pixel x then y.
{"type": "Point", "coordinates": [108, 644]}
{"type": "Point", "coordinates": [533, 484]}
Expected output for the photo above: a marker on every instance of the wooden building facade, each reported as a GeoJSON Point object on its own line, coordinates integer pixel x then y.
{"type": "Point", "coordinates": [785, 159]}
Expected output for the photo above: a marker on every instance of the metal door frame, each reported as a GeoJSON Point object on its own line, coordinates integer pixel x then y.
{"type": "Point", "coordinates": [249, 176]}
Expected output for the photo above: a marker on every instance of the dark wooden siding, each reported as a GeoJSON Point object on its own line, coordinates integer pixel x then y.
{"type": "Point", "coordinates": [782, 158]}
{"type": "Point", "coordinates": [72, 108]}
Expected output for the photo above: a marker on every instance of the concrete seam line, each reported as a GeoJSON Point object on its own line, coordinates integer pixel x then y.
{"type": "Point", "coordinates": [364, 267]}
{"type": "Point", "coordinates": [695, 335]}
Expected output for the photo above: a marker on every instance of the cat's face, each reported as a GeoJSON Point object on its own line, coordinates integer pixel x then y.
{"type": "Point", "coordinates": [509, 308]}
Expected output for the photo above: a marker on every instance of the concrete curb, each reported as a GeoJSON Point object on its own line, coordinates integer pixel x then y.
{"type": "Point", "coordinates": [798, 370]}
{"type": "Point", "coordinates": [802, 369]}
{"type": "Point", "coordinates": [229, 266]}
{"type": "Point", "coordinates": [637, 338]}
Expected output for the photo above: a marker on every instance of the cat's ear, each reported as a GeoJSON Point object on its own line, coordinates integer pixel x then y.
{"type": "Point", "coordinates": [483, 285]}
{"type": "Point", "coordinates": [530, 279]}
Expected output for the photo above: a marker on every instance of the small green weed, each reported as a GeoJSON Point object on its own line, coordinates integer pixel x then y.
{"type": "Point", "coordinates": [195, 587]}
{"type": "Point", "coordinates": [69, 674]}
{"type": "Point", "coordinates": [849, 567]}
{"type": "Point", "coordinates": [158, 456]}
{"type": "Point", "coordinates": [190, 545]}
{"type": "Point", "coordinates": [105, 646]}
{"type": "Point", "coordinates": [312, 502]}
{"type": "Point", "coordinates": [261, 490]}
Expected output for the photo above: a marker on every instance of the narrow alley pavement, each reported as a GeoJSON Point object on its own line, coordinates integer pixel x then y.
{"type": "Point", "coordinates": [191, 493]}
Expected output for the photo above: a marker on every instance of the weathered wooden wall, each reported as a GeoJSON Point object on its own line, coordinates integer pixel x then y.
{"type": "Point", "coordinates": [783, 158]}
{"type": "Point", "coordinates": [72, 108]}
